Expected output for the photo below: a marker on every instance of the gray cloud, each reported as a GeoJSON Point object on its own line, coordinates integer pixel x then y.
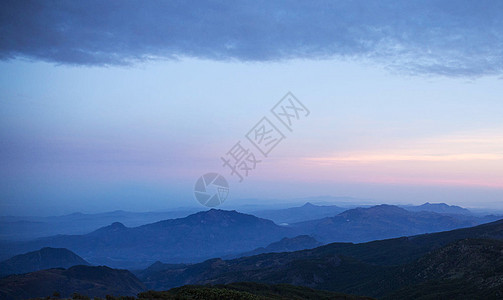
{"type": "Point", "coordinates": [453, 38]}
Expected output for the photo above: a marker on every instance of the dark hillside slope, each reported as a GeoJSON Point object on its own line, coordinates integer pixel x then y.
{"type": "Point", "coordinates": [362, 269]}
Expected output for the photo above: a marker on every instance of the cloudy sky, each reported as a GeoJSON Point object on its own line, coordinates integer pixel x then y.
{"type": "Point", "coordinates": [110, 105]}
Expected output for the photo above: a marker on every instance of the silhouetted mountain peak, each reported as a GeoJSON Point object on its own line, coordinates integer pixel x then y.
{"type": "Point", "coordinates": [223, 218]}
{"type": "Point", "coordinates": [219, 212]}
{"type": "Point", "coordinates": [443, 205]}
{"type": "Point", "coordinates": [158, 265]}
{"type": "Point", "coordinates": [386, 207]}
{"type": "Point", "coordinates": [117, 225]}
{"type": "Point", "coordinates": [49, 251]}
{"type": "Point", "coordinates": [112, 228]}
{"type": "Point", "coordinates": [214, 212]}
{"type": "Point", "coordinates": [441, 208]}
{"type": "Point", "coordinates": [306, 212]}
{"type": "Point", "coordinates": [378, 210]}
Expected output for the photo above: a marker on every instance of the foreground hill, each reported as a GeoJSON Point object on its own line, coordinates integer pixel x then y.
{"type": "Point", "coordinates": [382, 222]}
{"type": "Point", "coordinates": [375, 268]}
{"type": "Point", "coordinates": [194, 238]}
{"type": "Point", "coordinates": [93, 281]}
{"type": "Point", "coordinates": [247, 291]}
{"type": "Point", "coordinates": [469, 269]}
{"type": "Point", "coordinates": [45, 258]}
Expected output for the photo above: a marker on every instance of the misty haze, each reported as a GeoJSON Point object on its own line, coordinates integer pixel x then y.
{"type": "Point", "coordinates": [251, 149]}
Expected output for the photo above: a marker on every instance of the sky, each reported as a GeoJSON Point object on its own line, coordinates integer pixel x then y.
{"type": "Point", "coordinates": [124, 104]}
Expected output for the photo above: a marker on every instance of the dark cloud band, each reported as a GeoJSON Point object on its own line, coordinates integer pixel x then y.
{"type": "Point", "coordinates": [454, 38]}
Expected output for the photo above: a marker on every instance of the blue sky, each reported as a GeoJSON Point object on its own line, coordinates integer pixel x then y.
{"type": "Point", "coordinates": [119, 105]}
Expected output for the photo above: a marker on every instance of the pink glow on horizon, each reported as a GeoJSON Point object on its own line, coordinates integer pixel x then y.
{"type": "Point", "coordinates": [451, 161]}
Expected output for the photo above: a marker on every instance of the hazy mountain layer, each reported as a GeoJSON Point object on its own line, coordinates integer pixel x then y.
{"type": "Point", "coordinates": [382, 222]}
{"type": "Point", "coordinates": [194, 238]}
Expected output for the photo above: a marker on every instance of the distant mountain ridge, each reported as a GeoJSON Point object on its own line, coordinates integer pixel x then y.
{"type": "Point", "coordinates": [25, 228]}
{"type": "Point", "coordinates": [45, 258]}
{"type": "Point", "coordinates": [306, 212]}
{"type": "Point", "coordinates": [193, 238]}
{"type": "Point", "coordinates": [381, 222]}
{"type": "Point", "coordinates": [440, 208]}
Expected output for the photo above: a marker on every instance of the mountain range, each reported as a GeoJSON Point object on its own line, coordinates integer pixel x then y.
{"type": "Point", "coordinates": [386, 268]}
{"type": "Point", "coordinates": [194, 238]}
{"type": "Point", "coordinates": [465, 263]}
{"type": "Point", "coordinates": [382, 222]}
{"type": "Point", "coordinates": [306, 212]}
{"type": "Point", "coordinates": [30, 227]}
{"type": "Point", "coordinates": [18, 228]}
{"type": "Point", "coordinates": [219, 233]}
{"type": "Point", "coordinates": [440, 208]}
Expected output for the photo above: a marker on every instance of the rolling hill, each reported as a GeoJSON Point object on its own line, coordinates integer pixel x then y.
{"type": "Point", "coordinates": [247, 291]}
{"type": "Point", "coordinates": [86, 280]}
{"type": "Point", "coordinates": [45, 258]}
